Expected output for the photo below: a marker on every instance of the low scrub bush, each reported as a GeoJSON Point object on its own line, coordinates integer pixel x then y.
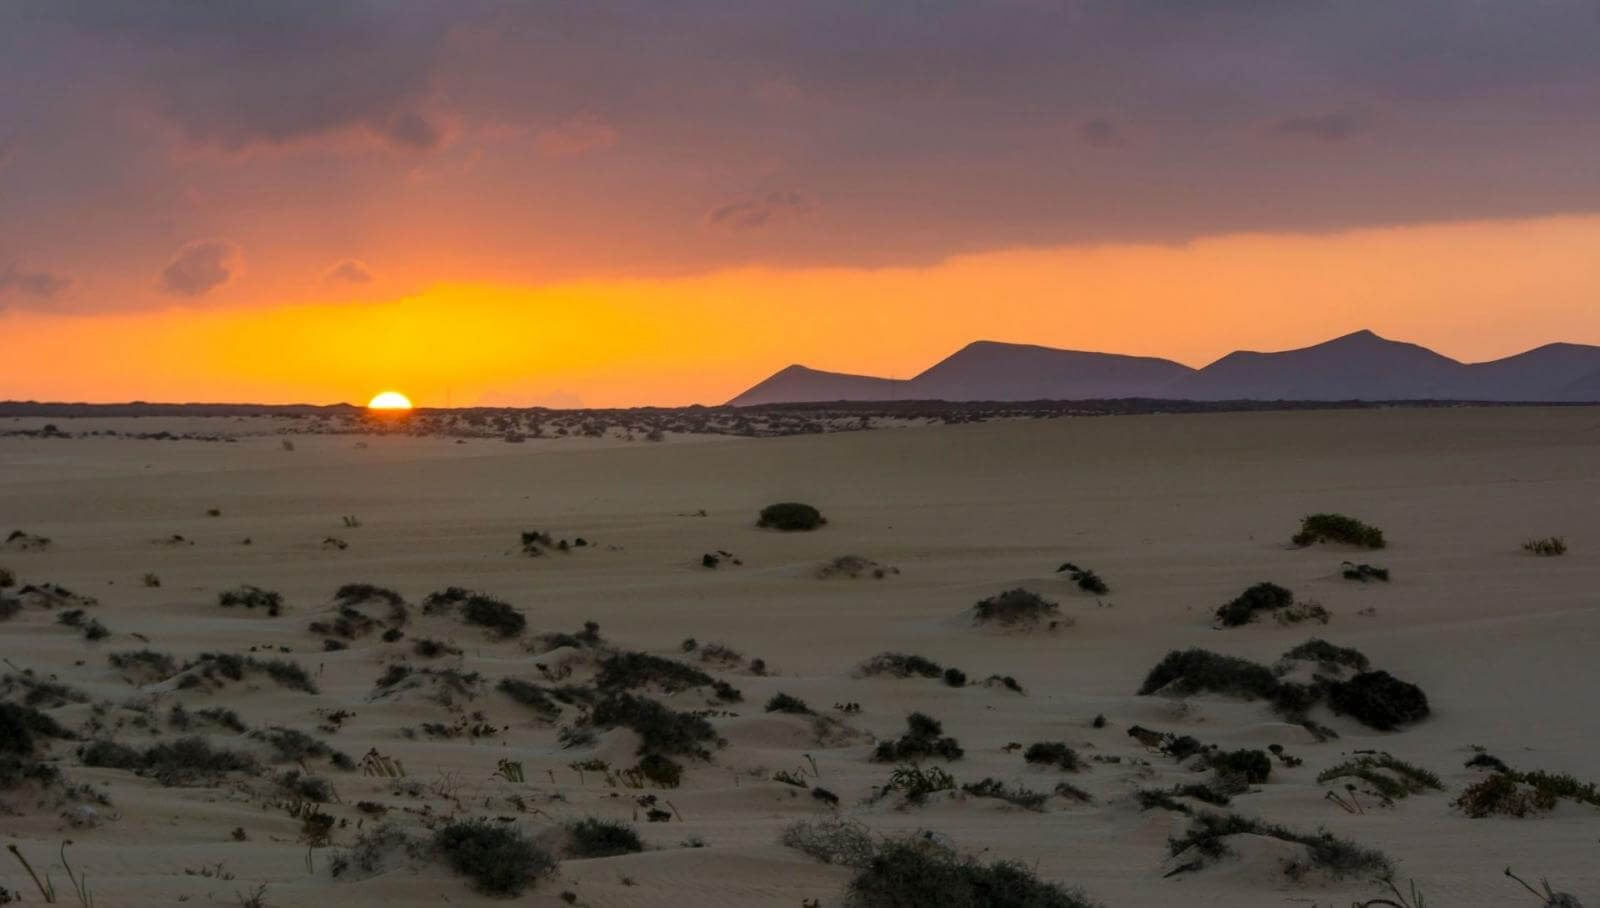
{"type": "Point", "coordinates": [917, 873]}
{"type": "Point", "coordinates": [1549, 545]}
{"type": "Point", "coordinates": [592, 837]}
{"type": "Point", "coordinates": [1388, 777]}
{"type": "Point", "coordinates": [497, 857]}
{"type": "Point", "coordinates": [660, 728]}
{"type": "Point", "coordinates": [915, 783]}
{"type": "Point", "coordinates": [1315, 528]}
{"type": "Point", "coordinates": [1015, 606]}
{"type": "Point", "coordinates": [1015, 795]}
{"type": "Point", "coordinates": [783, 703]}
{"type": "Point", "coordinates": [1329, 658]}
{"type": "Point", "coordinates": [1087, 580]}
{"type": "Point", "coordinates": [1379, 700]}
{"type": "Point", "coordinates": [1252, 766]}
{"type": "Point", "coordinates": [855, 567]}
{"type": "Point", "coordinates": [1263, 597]}
{"type": "Point", "coordinates": [924, 737]}
{"type": "Point", "coordinates": [900, 665]}
{"type": "Point", "coordinates": [532, 696]}
{"type": "Point", "coordinates": [831, 841]}
{"type": "Point", "coordinates": [790, 516]}
{"type": "Point", "coordinates": [178, 762]}
{"type": "Point", "coordinates": [1518, 794]}
{"type": "Point", "coordinates": [252, 597]}
{"type": "Point", "coordinates": [1053, 753]}
{"type": "Point", "coordinates": [1209, 833]}
{"type": "Point", "coordinates": [1364, 572]}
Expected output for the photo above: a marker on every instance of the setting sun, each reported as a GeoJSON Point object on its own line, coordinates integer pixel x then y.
{"type": "Point", "coordinates": [389, 400]}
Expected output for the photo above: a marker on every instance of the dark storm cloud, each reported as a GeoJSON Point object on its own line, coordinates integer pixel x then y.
{"type": "Point", "coordinates": [759, 211]}
{"type": "Point", "coordinates": [17, 284]}
{"type": "Point", "coordinates": [200, 267]}
{"type": "Point", "coordinates": [349, 271]}
{"type": "Point", "coordinates": [931, 126]}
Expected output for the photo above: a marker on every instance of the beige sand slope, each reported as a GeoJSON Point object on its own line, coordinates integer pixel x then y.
{"type": "Point", "coordinates": [1179, 513]}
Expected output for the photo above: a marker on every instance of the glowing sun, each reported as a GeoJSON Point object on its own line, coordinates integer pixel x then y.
{"type": "Point", "coordinates": [389, 400]}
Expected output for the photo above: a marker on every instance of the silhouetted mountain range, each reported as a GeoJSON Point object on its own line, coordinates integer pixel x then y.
{"type": "Point", "coordinates": [1359, 366]}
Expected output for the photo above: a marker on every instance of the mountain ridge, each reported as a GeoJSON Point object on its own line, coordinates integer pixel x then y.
{"type": "Point", "coordinates": [1360, 365]}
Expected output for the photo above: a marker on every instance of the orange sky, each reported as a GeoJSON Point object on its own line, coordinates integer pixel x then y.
{"type": "Point", "coordinates": [1473, 290]}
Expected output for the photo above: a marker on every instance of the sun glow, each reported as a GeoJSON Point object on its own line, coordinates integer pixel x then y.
{"type": "Point", "coordinates": [389, 400]}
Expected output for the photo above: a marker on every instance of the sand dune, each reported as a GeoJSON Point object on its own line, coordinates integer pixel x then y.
{"type": "Point", "coordinates": [1177, 513]}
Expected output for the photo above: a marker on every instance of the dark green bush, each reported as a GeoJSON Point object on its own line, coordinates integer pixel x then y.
{"type": "Point", "coordinates": [497, 857]}
{"type": "Point", "coordinates": [900, 665]}
{"type": "Point", "coordinates": [790, 516]}
{"type": "Point", "coordinates": [1263, 597]}
{"type": "Point", "coordinates": [660, 770]}
{"type": "Point", "coordinates": [955, 677]}
{"type": "Point", "coordinates": [147, 662]}
{"type": "Point", "coordinates": [1019, 796]}
{"type": "Point", "coordinates": [1254, 766]}
{"type": "Point", "coordinates": [1550, 545]}
{"type": "Point", "coordinates": [1315, 528]}
{"type": "Point", "coordinates": [916, 873]}
{"type": "Point", "coordinates": [632, 670]}
{"type": "Point", "coordinates": [1014, 606]}
{"type": "Point", "coordinates": [1328, 657]}
{"type": "Point", "coordinates": [497, 616]}
{"type": "Point", "coordinates": [1087, 580]}
{"type": "Point", "coordinates": [532, 696]}
{"type": "Point", "coordinates": [924, 737]}
{"type": "Point", "coordinates": [252, 597]}
{"type": "Point", "coordinates": [783, 703]}
{"type": "Point", "coordinates": [1197, 671]}
{"type": "Point", "coordinates": [592, 837]}
{"type": "Point", "coordinates": [660, 728]}
{"type": "Point", "coordinates": [1379, 700]}
{"type": "Point", "coordinates": [176, 762]}
{"type": "Point", "coordinates": [1389, 777]}
{"type": "Point", "coordinates": [1209, 833]}
{"type": "Point", "coordinates": [1053, 753]}
{"type": "Point", "coordinates": [1365, 572]}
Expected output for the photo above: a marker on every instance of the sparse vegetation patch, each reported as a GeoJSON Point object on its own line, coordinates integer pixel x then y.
{"type": "Point", "coordinates": [1315, 528]}
{"type": "Point", "coordinates": [790, 516]}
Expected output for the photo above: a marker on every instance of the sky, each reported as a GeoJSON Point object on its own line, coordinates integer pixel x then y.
{"type": "Point", "coordinates": [590, 203]}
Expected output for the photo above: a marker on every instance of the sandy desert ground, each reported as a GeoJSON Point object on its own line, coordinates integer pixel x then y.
{"type": "Point", "coordinates": [1177, 513]}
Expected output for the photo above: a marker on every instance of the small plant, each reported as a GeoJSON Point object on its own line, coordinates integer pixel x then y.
{"type": "Point", "coordinates": [900, 665]}
{"type": "Point", "coordinates": [832, 841]}
{"type": "Point", "coordinates": [1087, 580]}
{"type": "Point", "coordinates": [790, 516]}
{"type": "Point", "coordinates": [252, 597]}
{"type": "Point", "coordinates": [498, 858]}
{"type": "Point", "coordinates": [1014, 606]}
{"type": "Point", "coordinates": [1208, 835]}
{"type": "Point", "coordinates": [924, 737]}
{"type": "Point", "coordinates": [660, 728]}
{"type": "Point", "coordinates": [1549, 545]}
{"type": "Point", "coordinates": [855, 567]}
{"type": "Point", "coordinates": [493, 614]}
{"type": "Point", "coordinates": [1379, 700]}
{"type": "Point", "coordinates": [1015, 795]}
{"type": "Point", "coordinates": [918, 872]}
{"type": "Point", "coordinates": [916, 782]}
{"type": "Point", "coordinates": [1315, 528]}
{"type": "Point", "coordinates": [955, 677]}
{"type": "Point", "coordinates": [596, 838]}
{"type": "Point", "coordinates": [783, 703]}
{"type": "Point", "coordinates": [1390, 778]}
{"type": "Point", "coordinates": [1053, 753]}
{"type": "Point", "coordinates": [1364, 572]}
{"type": "Point", "coordinates": [1262, 597]}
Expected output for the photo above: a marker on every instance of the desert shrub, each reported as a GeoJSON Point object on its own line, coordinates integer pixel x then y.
{"type": "Point", "coordinates": [305, 787]}
{"type": "Point", "coordinates": [660, 728]}
{"type": "Point", "coordinates": [722, 654]}
{"type": "Point", "coordinates": [1087, 580]}
{"type": "Point", "coordinates": [371, 848]}
{"type": "Point", "coordinates": [252, 597]}
{"type": "Point", "coordinates": [1016, 795]}
{"type": "Point", "coordinates": [497, 616]}
{"type": "Point", "coordinates": [288, 674]}
{"type": "Point", "coordinates": [176, 762]}
{"type": "Point", "coordinates": [145, 662]}
{"type": "Point", "coordinates": [1197, 671]}
{"type": "Point", "coordinates": [1200, 791]}
{"type": "Point", "coordinates": [218, 667]}
{"type": "Point", "coordinates": [1253, 766]}
{"type": "Point", "coordinates": [445, 600]}
{"type": "Point", "coordinates": [1364, 572]}
{"type": "Point", "coordinates": [592, 837]}
{"type": "Point", "coordinates": [1315, 528]}
{"type": "Point", "coordinates": [955, 677]}
{"type": "Point", "coordinates": [924, 737]}
{"type": "Point", "coordinates": [915, 783]}
{"type": "Point", "coordinates": [588, 637]}
{"type": "Point", "coordinates": [1155, 798]}
{"type": "Point", "coordinates": [358, 593]}
{"type": "Point", "coordinates": [290, 745]}
{"type": "Point", "coordinates": [220, 715]}
{"type": "Point", "coordinates": [1487, 761]}
{"type": "Point", "coordinates": [831, 841]}
{"type": "Point", "coordinates": [530, 695]}
{"type": "Point", "coordinates": [1209, 832]}
{"type": "Point", "coordinates": [916, 873]}
{"type": "Point", "coordinates": [21, 726]}
{"type": "Point", "coordinates": [498, 858]}
{"type": "Point", "coordinates": [7, 578]}
{"type": "Point", "coordinates": [428, 648]}
{"type": "Point", "coordinates": [40, 693]}
{"type": "Point", "coordinates": [1259, 598]}
{"type": "Point", "coordinates": [1391, 778]}
{"type": "Point", "coordinates": [1550, 545]}
{"type": "Point", "coordinates": [1328, 657]}
{"type": "Point", "coordinates": [825, 796]}
{"type": "Point", "coordinates": [1053, 753]}
{"type": "Point", "coordinates": [1500, 793]}
{"type": "Point", "coordinates": [900, 665]}
{"type": "Point", "coordinates": [660, 770]}
{"type": "Point", "coordinates": [1014, 606]}
{"type": "Point", "coordinates": [1301, 612]}
{"type": "Point", "coordinates": [855, 567]}
{"type": "Point", "coordinates": [1378, 700]}
{"type": "Point", "coordinates": [632, 670]}
{"type": "Point", "coordinates": [783, 703]}
{"type": "Point", "coordinates": [790, 516]}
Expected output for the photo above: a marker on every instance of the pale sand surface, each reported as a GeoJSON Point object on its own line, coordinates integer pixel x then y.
{"type": "Point", "coordinates": [1178, 513]}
